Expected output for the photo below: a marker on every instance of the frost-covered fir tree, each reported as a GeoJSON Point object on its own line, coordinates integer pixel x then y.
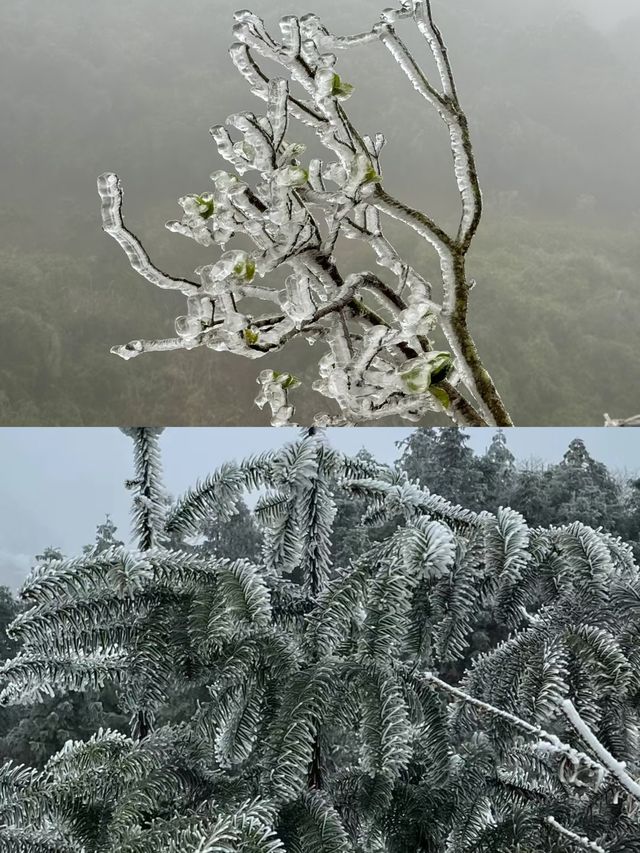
{"type": "Point", "coordinates": [393, 344]}
{"type": "Point", "coordinates": [326, 718]}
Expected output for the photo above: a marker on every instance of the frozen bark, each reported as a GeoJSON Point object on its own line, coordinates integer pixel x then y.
{"type": "Point", "coordinates": [633, 421]}
{"type": "Point", "coordinates": [379, 357]}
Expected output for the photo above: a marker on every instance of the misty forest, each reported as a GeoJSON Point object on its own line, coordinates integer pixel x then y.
{"type": "Point", "coordinates": [134, 88]}
{"type": "Point", "coordinates": [436, 656]}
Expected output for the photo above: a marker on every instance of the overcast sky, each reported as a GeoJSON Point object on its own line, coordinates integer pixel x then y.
{"type": "Point", "coordinates": [58, 484]}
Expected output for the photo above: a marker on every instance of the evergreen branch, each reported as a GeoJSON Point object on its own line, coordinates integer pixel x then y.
{"type": "Point", "coordinates": [215, 497]}
{"type": "Point", "coordinates": [150, 499]}
{"type": "Point", "coordinates": [551, 741]}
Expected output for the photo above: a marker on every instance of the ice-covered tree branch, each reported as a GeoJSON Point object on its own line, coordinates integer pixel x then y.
{"type": "Point", "coordinates": [579, 840]}
{"type": "Point", "coordinates": [550, 742]}
{"type": "Point", "coordinates": [615, 767]}
{"type": "Point", "coordinates": [380, 359]}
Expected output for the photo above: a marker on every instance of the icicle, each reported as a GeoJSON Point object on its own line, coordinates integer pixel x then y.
{"type": "Point", "coordinates": [274, 394]}
{"type": "Point", "coordinates": [291, 39]}
{"type": "Point", "coordinates": [277, 109]}
{"type": "Point", "coordinates": [298, 303]}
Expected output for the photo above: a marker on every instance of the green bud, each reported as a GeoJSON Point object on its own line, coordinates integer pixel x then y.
{"type": "Point", "coordinates": [371, 176]}
{"type": "Point", "coordinates": [441, 366]}
{"type": "Point", "coordinates": [441, 396]}
{"type": "Point", "coordinates": [339, 89]}
{"type": "Point", "coordinates": [245, 269]}
{"type": "Point", "coordinates": [422, 372]}
{"type": "Point", "coordinates": [292, 176]}
{"type": "Point", "coordinates": [206, 206]}
{"type": "Point", "coordinates": [287, 380]}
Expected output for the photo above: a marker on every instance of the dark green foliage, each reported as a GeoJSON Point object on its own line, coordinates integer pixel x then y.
{"type": "Point", "coordinates": [578, 488]}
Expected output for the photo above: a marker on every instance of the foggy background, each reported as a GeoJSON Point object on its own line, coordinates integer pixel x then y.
{"type": "Point", "coordinates": [59, 484]}
{"type": "Point", "coordinates": [551, 91]}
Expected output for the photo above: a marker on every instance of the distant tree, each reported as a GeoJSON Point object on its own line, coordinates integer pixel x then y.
{"type": "Point", "coordinates": [50, 554]}
{"type": "Point", "coordinates": [498, 472]}
{"type": "Point", "coordinates": [105, 538]}
{"type": "Point", "coordinates": [238, 537]}
{"type": "Point", "coordinates": [530, 494]}
{"type": "Point", "coordinates": [577, 488]}
{"type": "Point", "coordinates": [32, 735]}
{"type": "Point", "coordinates": [581, 488]}
{"type": "Point", "coordinates": [8, 611]}
{"type": "Point", "coordinates": [441, 460]}
{"type": "Point", "coordinates": [631, 500]}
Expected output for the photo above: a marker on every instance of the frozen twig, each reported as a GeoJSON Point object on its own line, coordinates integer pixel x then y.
{"type": "Point", "coordinates": [633, 421]}
{"type": "Point", "coordinates": [580, 840]}
{"type": "Point", "coordinates": [551, 743]}
{"type": "Point", "coordinates": [379, 359]}
{"type": "Point", "coordinates": [615, 767]}
{"type": "Point", "coordinates": [110, 190]}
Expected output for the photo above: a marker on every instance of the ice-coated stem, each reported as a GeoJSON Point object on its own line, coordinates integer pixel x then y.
{"type": "Point", "coordinates": [379, 360]}
{"type": "Point", "coordinates": [580, 840]}
{"type": "Point", "coordinates": [453, 315]}
{"type": "Point", "coordinates": [110, 190]}
{"type": "Point", "coordinates": [615, 767]}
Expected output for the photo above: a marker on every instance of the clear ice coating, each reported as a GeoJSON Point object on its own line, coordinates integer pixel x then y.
{"type": "Point", "coordinates": [378, 360]}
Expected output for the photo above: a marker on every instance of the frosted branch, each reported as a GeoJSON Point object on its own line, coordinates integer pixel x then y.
{"type": "Point", "coordinates": [548, 742]}
{"type": "Point", "coordinates": [615, 767]}
{"type": "Point", "coordinates": [379, 360]}
{"type": "Point", "coordinates": [581, 840]}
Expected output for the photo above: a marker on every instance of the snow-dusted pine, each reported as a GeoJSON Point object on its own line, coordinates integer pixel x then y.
{"type": "Point", "coordinates": [333, 708]}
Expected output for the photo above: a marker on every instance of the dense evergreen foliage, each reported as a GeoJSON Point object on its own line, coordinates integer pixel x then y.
{"type": "Point", "coordinates": [578, 488]}
{"type": "Point", "coordinates": [292, 703]}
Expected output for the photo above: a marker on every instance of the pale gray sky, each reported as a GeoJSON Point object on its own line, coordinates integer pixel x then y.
{"type": "Point", "coordinates": [58, 484]}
